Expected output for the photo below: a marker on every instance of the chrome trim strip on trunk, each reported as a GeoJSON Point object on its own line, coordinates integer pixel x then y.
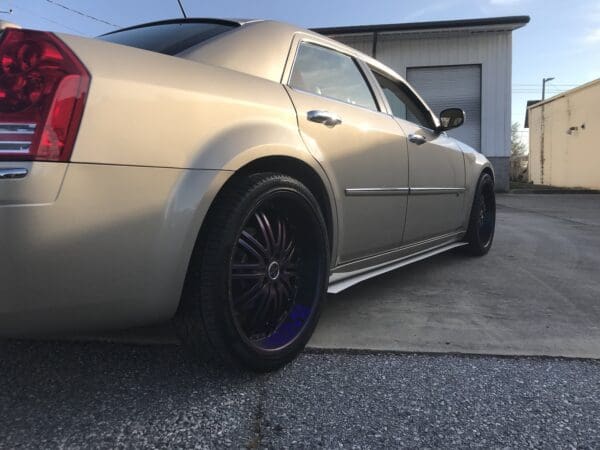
{"type": "Point", "coordinates": [14, 147]}
{"type": "Point", "coordinates": [11, 174]}
{"type": "Point", "coordinates": [341, 281]}
{"type": "Point", "coordinates": [17, 128]}
{"type": "Point", "coordinates": [354, 192]}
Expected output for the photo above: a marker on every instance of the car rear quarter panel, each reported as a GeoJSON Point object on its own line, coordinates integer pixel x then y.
{"type": "Point", "coordinates": [105, 241]}
{"type": "Point", "coordinates": [149, 109]}
{"type": "Point", "coordinates": [111, 250]}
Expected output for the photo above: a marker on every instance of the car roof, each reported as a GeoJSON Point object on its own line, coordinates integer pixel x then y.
{"type": "Point", "coordinates": [274, 32]}
{"type": "Point", "coordinates": [238, 49]}
{"type": "Point", "coordinates": [270, 39]}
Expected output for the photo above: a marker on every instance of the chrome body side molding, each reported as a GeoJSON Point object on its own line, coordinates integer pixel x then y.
{"type": "Point", "coordinates": [353, 192]}
{"type": "Point", "coordinates": [436, 190]}
{"type": "Point", "coordinates": [372, 191]}
{"type": "Point", "coordinates": [341, 281]}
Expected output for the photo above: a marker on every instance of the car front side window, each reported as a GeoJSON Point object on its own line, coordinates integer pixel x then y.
{"type": "Point", "coordinates": [328, 73]}
{"type": "Point", "coordinates": [402, 103]}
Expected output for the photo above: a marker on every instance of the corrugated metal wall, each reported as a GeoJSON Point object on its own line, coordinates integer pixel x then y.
{"type": "Point", "coordinates": [493, 50]}
{"type": "Point", "coordinates": [361, 42]}
{"type": "Point", "coordinates": [459, 86]}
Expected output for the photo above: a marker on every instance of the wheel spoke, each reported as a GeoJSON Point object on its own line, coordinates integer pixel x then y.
{"type": "Point", "coordinates": [278, 244]}
{"type": "Point", "coordinates": [257, 320]}
{"type": "Point", "coordinates": [250, 295]}
{"type": "Point", "coordinates": [252, 246]}
{"type": "Point", "coordinates": [270, 236]}
{"type": "Point", "coordinates": [284, 291]}
{"type": "Point", "coordinates": [285, 281]}
{"type": "Point", "coordinates": [288, 254]}
{"type": "Point", "coordinates": [239, 271]}
{"type": "Point", "coordinates": [276, 309]}
{"type": "Point", "coordinates": [265, 227]}
{"type": "Point", "coordinates": [282, 237]}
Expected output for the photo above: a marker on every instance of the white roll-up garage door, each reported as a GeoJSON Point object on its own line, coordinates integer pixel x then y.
{"type": "Point", "coordinates": [452, 87]}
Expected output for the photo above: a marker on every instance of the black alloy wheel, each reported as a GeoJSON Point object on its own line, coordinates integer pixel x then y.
{"type": "Point", "coordinates": [263, 268]}
{"type": "Point", "coordinates": [482, 223]}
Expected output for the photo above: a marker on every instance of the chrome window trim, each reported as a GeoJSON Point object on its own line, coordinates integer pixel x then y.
{"type": "Point", "coordinates": [380, 107]}
{"type": "Point", "coordinates": [419, 100]}
{"type": "Point", "coordinates": [331, 99]}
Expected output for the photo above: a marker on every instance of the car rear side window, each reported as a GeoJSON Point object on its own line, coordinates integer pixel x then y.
{"type": "Point", "coordinates": [331, 74]}
{"type": "Point", "coordinates": [168, 38]}
{"type": "Point", "coordinates": [402, 103]}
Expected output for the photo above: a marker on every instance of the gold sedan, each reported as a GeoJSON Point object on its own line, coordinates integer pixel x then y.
{"type": "Point", "coordinates": [226, 174]}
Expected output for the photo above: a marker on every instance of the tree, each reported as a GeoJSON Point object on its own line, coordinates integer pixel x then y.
{"type": "Point", "coordinates": [518, 148]}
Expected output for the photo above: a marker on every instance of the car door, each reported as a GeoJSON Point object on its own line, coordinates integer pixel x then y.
{"type": "Point", "coordinates": [362, 150]}
{"type": "Point", "coordinates": [436, 167]}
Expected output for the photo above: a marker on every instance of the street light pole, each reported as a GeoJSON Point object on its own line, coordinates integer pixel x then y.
{"type": "Point", "coordinates": [544, 81]}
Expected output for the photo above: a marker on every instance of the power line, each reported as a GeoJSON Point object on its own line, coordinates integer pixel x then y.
{"type": "Point", "coordinates": [553, 84]}
{"type": "Point", "coordinates": [47, 19]}
{"type": "Point", "coordinates": [75, 11]}
{"type": "Point", "coordinates": [182, 10]}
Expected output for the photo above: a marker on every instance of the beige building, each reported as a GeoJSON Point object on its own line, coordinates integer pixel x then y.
{"type": "Point", "coordinates": [564, 139]}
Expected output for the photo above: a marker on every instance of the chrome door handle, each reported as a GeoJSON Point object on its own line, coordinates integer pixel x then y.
{"type": "Point", "coordinates": [327, 118]}
{"type": "Point", "coordinates": [11, 174]}
{"type": "Point", "coordinates": [417, 139]}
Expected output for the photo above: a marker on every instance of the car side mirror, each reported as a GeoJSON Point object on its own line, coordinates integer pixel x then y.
{"type": "Point", "coordinates": [451, 118]}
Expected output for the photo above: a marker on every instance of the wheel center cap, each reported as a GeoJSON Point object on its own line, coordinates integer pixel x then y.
{"type": "Point", "coordinates": [273, 270]}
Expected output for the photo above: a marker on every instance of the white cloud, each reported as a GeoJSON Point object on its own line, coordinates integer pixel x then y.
{"type": "Point", "coordinates": [593, 37]}
{"type": "Point", "coordinates": [504, 2]}
{"type": "Point", "coordinates": [431, 8]}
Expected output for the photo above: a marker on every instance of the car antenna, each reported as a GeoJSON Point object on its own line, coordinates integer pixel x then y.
{"type": "Point", "coordinates": [182, 10]}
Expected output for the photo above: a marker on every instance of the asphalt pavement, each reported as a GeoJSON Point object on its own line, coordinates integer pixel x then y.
{"type": "Point", "coordinates": [537, 292]}
{"type": "Point", "coordinates": [100, 395]}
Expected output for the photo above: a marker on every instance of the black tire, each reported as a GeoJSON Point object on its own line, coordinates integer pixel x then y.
{"type": "Point", "coordinates": [482, 221]}
{"type": "Point", "coordinates": [254, 292]}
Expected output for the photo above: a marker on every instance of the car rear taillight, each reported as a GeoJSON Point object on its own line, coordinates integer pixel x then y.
{"type": "Point", "coordinates": [43, 86]}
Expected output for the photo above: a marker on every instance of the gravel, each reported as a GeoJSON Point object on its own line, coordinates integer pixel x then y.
{"type": "Point", "coordinates": [74, 395]}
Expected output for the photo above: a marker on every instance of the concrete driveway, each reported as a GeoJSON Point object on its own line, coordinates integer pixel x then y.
{"type": "Point", "coordinates": [536, 293]}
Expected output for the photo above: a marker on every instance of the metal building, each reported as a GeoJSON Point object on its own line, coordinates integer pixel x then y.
{"type": "Point", "coordinates": [457, 63]}
{"type": "Point", "coordinates": [564, 132]}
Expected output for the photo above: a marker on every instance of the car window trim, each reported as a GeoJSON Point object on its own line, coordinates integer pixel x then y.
{"type": "Point", "coordinates": [420, 103]}
{"type": "Point", "coordinates": [359, 65]}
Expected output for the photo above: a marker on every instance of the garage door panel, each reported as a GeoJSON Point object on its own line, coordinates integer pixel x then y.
{"type": "Point", "coordinates": [452, 86]}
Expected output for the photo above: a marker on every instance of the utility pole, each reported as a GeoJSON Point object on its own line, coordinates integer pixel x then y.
{"type": "Point", "coordinates": [543, 130]}
{"type": "Point", "coordinates": [544, 81]}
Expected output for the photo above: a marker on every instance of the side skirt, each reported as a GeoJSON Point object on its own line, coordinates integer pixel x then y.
{"type": "Point", "coordinates": [343, 280]}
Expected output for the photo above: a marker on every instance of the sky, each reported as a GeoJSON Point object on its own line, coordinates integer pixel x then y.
{"type": "Point", "coordinates": [561, 41]}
